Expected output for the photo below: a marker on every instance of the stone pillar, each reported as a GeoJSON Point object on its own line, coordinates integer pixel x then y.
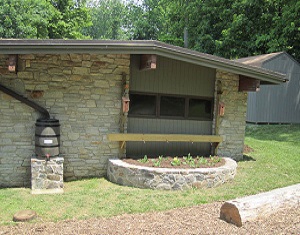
{"type": "Point", "coordinates": [47, 176]}
{"type": "Point", "coordinates": [231, 126]}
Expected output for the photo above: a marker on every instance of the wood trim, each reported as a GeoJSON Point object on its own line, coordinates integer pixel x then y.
{"type": "Point", "coordinates": [164, 137]}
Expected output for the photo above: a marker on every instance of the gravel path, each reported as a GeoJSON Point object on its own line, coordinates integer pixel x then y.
{"type": "Point", "coordinates": [203, 219]}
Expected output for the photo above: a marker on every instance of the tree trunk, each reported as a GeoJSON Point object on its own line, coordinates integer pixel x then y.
{"type": "Point", "coordinates": [248, 208]}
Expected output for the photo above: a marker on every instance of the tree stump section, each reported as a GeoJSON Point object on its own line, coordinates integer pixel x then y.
{"type": "Point", "coordinates": [23, 216]}
{"type": "Point", "coordinates": [248, 208]}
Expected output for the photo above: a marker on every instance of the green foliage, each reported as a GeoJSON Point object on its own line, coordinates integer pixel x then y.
{"type": "Point", "coordinates": [157, 163]}
{"type": "Point", "coordinates": [189, 160]}
{"type": "Point", "coordinates": [201, 161]}
{"type": "Point", "coordinates": [107, 20]}
{"type": "Point", "coordinates": [69, 19]}
{"type": "Point", "coordinates": [214, 159]}
{"type": "Point", "coordinates": [227, 28]}
{"type": "Point", "coordinates": [144, 160]}
{"type": "Point", "coordinates": [234, 29]}
{"type": "Point", "coordinates": [144, 21]}
{"type": "Point", "coordinates": [25, 18]}
{"type": "Point", "coordinates": [42, 19]}
{"type": "Point", "coordinates": [176, 161]}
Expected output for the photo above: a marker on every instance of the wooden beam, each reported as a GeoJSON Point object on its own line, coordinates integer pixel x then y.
{"type": "Point", "coordinates": [248, 208]}
{"type": "Point", "coordinates": [164, 137]}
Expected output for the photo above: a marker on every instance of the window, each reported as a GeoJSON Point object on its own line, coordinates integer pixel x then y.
{"type": "Point", "coordinates": [142, 105]}
{"type": "Point", "coordinates": [170, 106]}
{"type": "Point", "coordinates": [199, 108]}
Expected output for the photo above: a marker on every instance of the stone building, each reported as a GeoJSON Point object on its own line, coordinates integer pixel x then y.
{"type": "Point", "coordinates": [86, 85]}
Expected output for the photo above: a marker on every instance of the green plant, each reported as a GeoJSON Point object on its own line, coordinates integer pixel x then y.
{"type": "Point", "coordinates": [189, 160]}
{"type": "Point", "coordinates": [157, 162]}
{"type": "Point", "coordinates": [201, 161]}
{"type": "Point", "coordinates": [144, 160]}
{"type": "Point", "coordinates": [214, 159]}
{"type": "Point", "coordinates": [176, 161]}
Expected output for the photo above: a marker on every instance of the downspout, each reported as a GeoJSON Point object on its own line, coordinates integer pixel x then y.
{"type": "Point", "coordinates": [45, 114]}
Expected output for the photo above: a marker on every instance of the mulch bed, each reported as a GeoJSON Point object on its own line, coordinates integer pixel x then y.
{"type": "Point", "coordinates": [202, 219]}
{"type": "Point", "coordinates": [167, 162]}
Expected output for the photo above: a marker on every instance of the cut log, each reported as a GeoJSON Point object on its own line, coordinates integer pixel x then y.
{"type": "Point", "coordinates": [249, 208]}
{"type": "Point", "coordinates": [25, 215]}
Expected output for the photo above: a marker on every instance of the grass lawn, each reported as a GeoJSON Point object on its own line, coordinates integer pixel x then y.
{"type": "Point", "coordinates": [274, 163]}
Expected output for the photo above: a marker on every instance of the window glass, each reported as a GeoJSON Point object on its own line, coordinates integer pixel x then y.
{"type": "Point", "coordinates": [199, 108]}
{"type": "Point", "coordinates": [172, 106]}
{"type": "Point", "coordinates": [144, 105]}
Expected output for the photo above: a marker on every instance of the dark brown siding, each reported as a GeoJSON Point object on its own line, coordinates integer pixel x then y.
{"type": "Point", "coordinates": [170, 77]}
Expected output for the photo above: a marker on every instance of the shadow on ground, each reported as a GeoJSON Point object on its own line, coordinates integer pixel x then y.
{"type": "Point", "coordinates": [247, 158]}
{"type": "Point", "coordinates": [286, 133]}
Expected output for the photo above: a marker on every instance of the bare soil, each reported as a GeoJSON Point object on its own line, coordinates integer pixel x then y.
{"type": "Point", "coordinates": [203, 219]}
{"type": "Point", "coordinates": [247, 149]}
{"type": "Point", "coordinates": [166, 162]}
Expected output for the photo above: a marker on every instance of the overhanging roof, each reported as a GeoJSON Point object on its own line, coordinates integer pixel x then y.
{"type": "Point", "coordinates": [51, 46]}
{"type": "Point", "coordinates": [258, 60]}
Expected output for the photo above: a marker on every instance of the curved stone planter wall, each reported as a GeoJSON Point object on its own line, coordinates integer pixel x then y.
{"type": "Point", "coordinates": [126, 174]}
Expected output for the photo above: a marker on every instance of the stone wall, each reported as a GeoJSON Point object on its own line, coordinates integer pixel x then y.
{"type": "Point", "coordinates": [232, 125]}
{"type": "Point", "coordinates": [126, 174]}
{"type": "Point", "coordinates": [82, 91]}
{"type": "Point", "coordinates": [47, 175]}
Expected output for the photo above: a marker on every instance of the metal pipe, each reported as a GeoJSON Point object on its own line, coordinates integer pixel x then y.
{"type": "Point", "coordinates": [40, 109]}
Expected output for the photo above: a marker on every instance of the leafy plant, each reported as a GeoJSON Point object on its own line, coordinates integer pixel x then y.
{"type": "Point", "coordinates": [157, 163]}
{"type": "Point", "coordinates": [176, 161]}
{"type": "Point", "coordinates": [189, 160]}
{"type": "Point", "coordinates": [214, 159]}
{"type": "Point", "coordinates": [201, 161]}
{"type": "Point", "coordinates": [144, 160]}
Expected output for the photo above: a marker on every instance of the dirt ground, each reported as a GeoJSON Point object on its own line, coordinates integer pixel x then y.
{"type": "Point", "coordinates": [203, 219]}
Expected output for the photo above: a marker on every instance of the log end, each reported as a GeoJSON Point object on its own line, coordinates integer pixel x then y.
{"type": "Point", "coordinates": [25, 215]}
{"type": "Point", "coordinates": [230, 214]}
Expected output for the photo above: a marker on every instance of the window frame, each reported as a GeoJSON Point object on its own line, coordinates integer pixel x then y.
{"type": "Point", "coordinates": [186, 108]}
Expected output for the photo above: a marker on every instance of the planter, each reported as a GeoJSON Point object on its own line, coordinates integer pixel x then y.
{"type": "Point", "coordinates": [122, 173]}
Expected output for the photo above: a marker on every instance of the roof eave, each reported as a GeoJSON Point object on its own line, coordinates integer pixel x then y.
{"type": "Point", "coordinates": [136, 47]}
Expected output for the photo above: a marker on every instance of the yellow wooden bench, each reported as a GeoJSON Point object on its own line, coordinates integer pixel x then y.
{"type": "Point", "coordinates": [123, 137]}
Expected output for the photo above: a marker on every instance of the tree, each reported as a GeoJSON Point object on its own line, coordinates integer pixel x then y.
{"type": "Point", "coordinates": [145, 21]}
{"type": "Point", "coordinates": [25, 18]}
{"type": "Point", "coordinates": [289, 36]}
{"type": "Point", "coordinates": [175, 22]}
{"type": "Point", "coordinates": [69, 19]}
{"type": "Point", "coordinates": [108, 19]}
{"type": "Point", "coordinates": [42, 18]}
{"type": "Point", "coordinates": [250, 29]}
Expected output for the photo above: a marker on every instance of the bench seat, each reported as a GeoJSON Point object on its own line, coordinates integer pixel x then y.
{"type": "Point", "coordinates": [123, 137]}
